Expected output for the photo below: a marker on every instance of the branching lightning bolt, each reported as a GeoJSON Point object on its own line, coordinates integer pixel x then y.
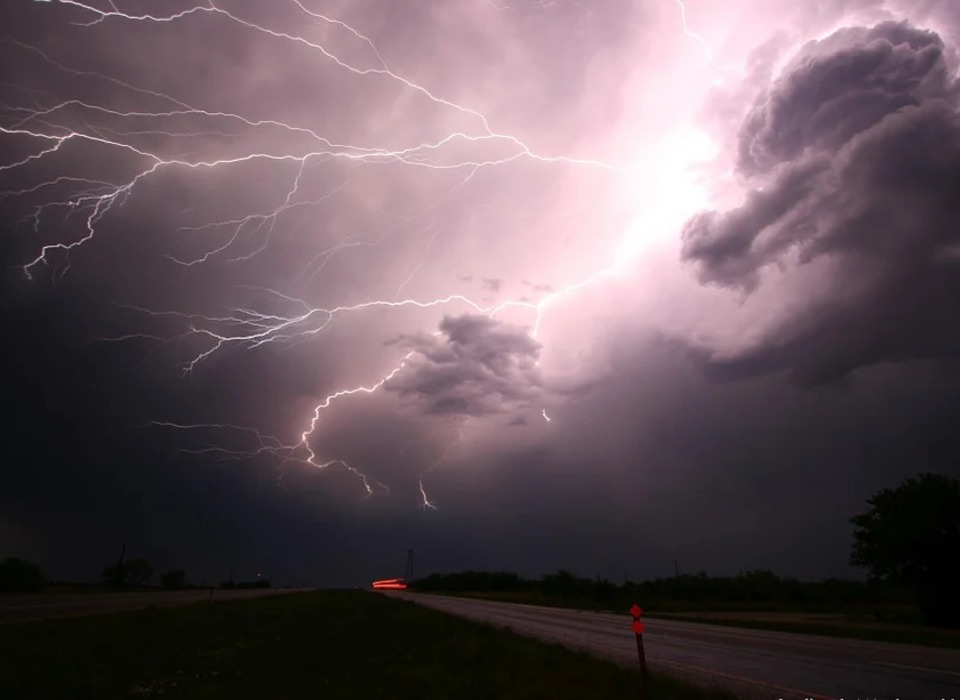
{"type": "Point", "coordinates": [46, 126]}
{"type": "Point", "coordinates": [693, 35]}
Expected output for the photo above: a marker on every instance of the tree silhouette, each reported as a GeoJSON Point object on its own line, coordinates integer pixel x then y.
{"type": "Point", "coordinates": [134, 572]}
{"type": "Point", "coordinates": [911, 536]}
{"type": "Point", "coordinates": [175, 578]}
{"type": "Point", "coordinates": [20, 575]}
{"type": "Point", "coordinates": [139, 571]}
{"type": "Point", "coordinates": [113, 576]}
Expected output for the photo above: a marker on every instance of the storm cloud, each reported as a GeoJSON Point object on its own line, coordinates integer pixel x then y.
{"type": "Point", "coordinates": [296, 287]}
{"type": "Point", "coordinates": [475, 367]}
{"type": "Point", "coordinates": [854, 156]}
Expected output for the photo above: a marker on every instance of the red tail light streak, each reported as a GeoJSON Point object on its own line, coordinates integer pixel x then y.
{"type": "Point", "coordinates": [397, 584]}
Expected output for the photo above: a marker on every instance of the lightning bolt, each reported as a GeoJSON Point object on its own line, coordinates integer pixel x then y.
{"type": "Point", "coordinates": [692, 34]}
{"type": "Point", "coordinates": [55, 126]}
{"type": "Point", "coordinates": [426, 503]}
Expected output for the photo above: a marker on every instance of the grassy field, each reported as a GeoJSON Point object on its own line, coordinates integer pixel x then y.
{"type": "Point", "coordinates": [349, 644]}
{"type": "Point", "coordinates": [899, 624]}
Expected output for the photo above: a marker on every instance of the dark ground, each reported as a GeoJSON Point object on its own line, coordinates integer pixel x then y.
{"type": "Point", "coordinates": [350, 644]}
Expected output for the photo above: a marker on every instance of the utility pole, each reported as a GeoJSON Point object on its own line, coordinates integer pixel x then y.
{"type": "Point", "coordinates": [676, 569]}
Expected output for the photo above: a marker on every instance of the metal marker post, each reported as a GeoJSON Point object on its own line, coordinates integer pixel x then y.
{"type": "Point", "coordinates": [637, 611]}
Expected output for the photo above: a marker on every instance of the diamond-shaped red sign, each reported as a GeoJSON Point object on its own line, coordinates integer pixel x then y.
{"type": "Point", "coordinates": [638, 626]}
{"type": "Point", "coordinates": [636, 610]}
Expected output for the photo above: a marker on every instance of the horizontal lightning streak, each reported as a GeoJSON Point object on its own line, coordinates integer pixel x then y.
{"type": "Point", "coordinates": [244, 327]}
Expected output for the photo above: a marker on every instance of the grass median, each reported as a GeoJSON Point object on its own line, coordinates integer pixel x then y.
{"type": "Point", "coordinates": [338, 644]}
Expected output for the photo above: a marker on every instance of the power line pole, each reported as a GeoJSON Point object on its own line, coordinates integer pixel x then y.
{"type": "Point", "coordinates": [676, 569]}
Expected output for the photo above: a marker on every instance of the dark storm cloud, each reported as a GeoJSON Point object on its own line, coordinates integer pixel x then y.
{"type": "Point", "coordinates": [838, 88]}
{"type": "Point", "coordinates": [861, 141]}
{"type": "Point", "coordinates": [475, 366]}
{"type": "Point", "coordinates": [728, 245]}
{"type": "Point", "coordinates": [734, 474]}
{"type": "Point", "coordinates": [84, 457]}
{"type": "Point", "coordinates": [641, 462]}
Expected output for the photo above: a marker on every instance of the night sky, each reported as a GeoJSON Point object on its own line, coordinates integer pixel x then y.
{"type": "Point", "coordinates": [291, 287]}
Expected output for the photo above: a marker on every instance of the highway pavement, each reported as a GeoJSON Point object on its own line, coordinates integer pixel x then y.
{"type": "Point", "coordinates": [751, 663]}
{"type": "Point", "coordinates": [25, 608]}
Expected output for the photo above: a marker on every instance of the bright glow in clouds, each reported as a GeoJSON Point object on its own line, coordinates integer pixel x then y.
{"type": "Point", "coordinates": [674, 185]}
{"type": "Point", "coordinates": [355, 189]}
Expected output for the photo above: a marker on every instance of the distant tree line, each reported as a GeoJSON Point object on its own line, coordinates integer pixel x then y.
{"type": "Point", "coordinates": [908, 540]}
{"type": "Point", "coordinates": [20, 575]}
{"type": "Point", "coordinates": [131, 572]}
{"type": "Point", "coordinates": [750, 586]}
{"type": "Point", "coordinates": [258, 583]}
{"type": "Point", "coordinates": [175, 578]}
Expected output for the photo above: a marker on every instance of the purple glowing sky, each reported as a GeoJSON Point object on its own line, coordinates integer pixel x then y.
{"type": "Point", "coordinates": [499, 253]}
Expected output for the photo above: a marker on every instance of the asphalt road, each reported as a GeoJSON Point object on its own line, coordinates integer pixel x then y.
{"type": "Point", "coordinates": [25, 608]}
{"type": "Point", "coordinates": [752, 663]}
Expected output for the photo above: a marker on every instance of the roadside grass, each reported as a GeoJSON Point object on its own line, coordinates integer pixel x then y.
{"type": "Point", "coordinates": [333, 644]}
{"type": "Point", "coordinates": [896, 624]}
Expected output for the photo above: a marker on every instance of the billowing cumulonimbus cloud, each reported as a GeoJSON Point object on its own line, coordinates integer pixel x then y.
{"type": "Point", "coordinates": [853, 156]}
{"type": "Point", "coordinates": [839, 87]}
{"type": "Point", "coordinates": [474, 366]}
